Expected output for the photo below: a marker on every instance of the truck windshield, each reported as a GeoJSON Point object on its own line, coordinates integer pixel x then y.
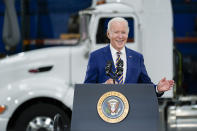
{"type": "Point", "coordinates": [101, 35]}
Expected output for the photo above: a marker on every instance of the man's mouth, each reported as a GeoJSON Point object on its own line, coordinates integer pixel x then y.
{"type": "Point", "coordinates": [120, 41]}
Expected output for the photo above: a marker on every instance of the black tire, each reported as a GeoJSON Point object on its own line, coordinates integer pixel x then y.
{"type": "Point", "coordinates": [40, 110]}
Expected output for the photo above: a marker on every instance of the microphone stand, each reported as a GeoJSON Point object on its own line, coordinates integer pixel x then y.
{"type": "Point", "coordinates": [118, 72]}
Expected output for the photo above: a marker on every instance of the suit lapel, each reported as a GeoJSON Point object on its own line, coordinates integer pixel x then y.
{"type": "Point", "coordinates": [129, 63]}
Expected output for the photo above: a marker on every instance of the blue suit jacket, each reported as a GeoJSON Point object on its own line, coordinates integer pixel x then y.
{"type": "Point", "coordinates": [136, 71]}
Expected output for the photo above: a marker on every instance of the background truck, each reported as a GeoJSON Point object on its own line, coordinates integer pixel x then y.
{"type": "Point", "coordinates": [36, 85]}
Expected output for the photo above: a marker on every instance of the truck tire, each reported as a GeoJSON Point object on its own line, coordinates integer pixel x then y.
{"type": "Point", "coordinates": [39, 117]}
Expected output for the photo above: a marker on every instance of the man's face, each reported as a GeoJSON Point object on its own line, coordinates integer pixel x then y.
{"type": "Point", "coordinates": [118, 34]}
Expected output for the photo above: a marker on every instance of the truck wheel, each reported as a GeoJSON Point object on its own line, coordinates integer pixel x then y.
{"type": "Point", "coordinates": [39, 117]}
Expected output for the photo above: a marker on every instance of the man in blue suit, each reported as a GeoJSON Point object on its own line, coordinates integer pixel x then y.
{"type": "Point", "coordinates": [134, 70]}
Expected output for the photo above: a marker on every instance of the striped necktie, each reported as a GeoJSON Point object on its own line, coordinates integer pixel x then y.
{"type": "Point", "coordinates": [120, 78]}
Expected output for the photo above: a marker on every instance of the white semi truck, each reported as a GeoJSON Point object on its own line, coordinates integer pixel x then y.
{"type": "Point", "coordinates": [36, 85]}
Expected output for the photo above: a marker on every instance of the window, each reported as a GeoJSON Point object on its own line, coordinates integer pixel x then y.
{"type": "Point", "coordinates": [101, 35]}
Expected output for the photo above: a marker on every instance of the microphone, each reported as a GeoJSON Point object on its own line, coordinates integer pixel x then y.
{"type": "Point", "coordinates": [119, 68]}
{"type": "Point", "coordinates": [108, 68]}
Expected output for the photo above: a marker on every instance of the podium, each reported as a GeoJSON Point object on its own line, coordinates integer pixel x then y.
{"type": "Point", "coordinates": [141, 108]}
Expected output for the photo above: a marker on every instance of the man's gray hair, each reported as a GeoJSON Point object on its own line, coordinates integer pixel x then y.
{"type": "Point", "coordinates": [118, 19]}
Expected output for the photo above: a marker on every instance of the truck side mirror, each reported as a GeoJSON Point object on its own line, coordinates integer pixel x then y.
{"type": "Point", "coordinates": [87, 52]}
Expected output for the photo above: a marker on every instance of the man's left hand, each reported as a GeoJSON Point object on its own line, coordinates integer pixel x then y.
{"type": "Point", "coordinates": [165, 85]}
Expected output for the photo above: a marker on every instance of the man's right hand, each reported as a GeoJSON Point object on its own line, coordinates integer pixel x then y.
{"type": "Point", "coordinates": [110, 81]}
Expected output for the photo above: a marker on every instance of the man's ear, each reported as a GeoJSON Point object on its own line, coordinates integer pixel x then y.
{"type": "Point", "coordinates": [108, 35]}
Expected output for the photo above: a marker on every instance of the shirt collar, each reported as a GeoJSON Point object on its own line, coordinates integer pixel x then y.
{"type": "Point", "coordinates": [113, 51]}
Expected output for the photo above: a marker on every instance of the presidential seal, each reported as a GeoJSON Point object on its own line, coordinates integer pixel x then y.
{"type": "Point", "coordinates": [113, 107]}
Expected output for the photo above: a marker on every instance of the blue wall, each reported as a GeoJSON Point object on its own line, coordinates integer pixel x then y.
{"type": "Point", "coordinates": [48, 18]}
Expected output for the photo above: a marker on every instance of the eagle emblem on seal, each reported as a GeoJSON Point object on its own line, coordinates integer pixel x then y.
{"type": "Point", "coordinates": [113, 107]}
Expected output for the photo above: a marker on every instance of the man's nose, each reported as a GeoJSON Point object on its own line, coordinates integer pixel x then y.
{"type": "Point", "coordinates": [120, 35]}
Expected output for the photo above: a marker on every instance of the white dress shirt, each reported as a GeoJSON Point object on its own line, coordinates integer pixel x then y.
{"type": "Point", "coordinates": [122, 56]}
